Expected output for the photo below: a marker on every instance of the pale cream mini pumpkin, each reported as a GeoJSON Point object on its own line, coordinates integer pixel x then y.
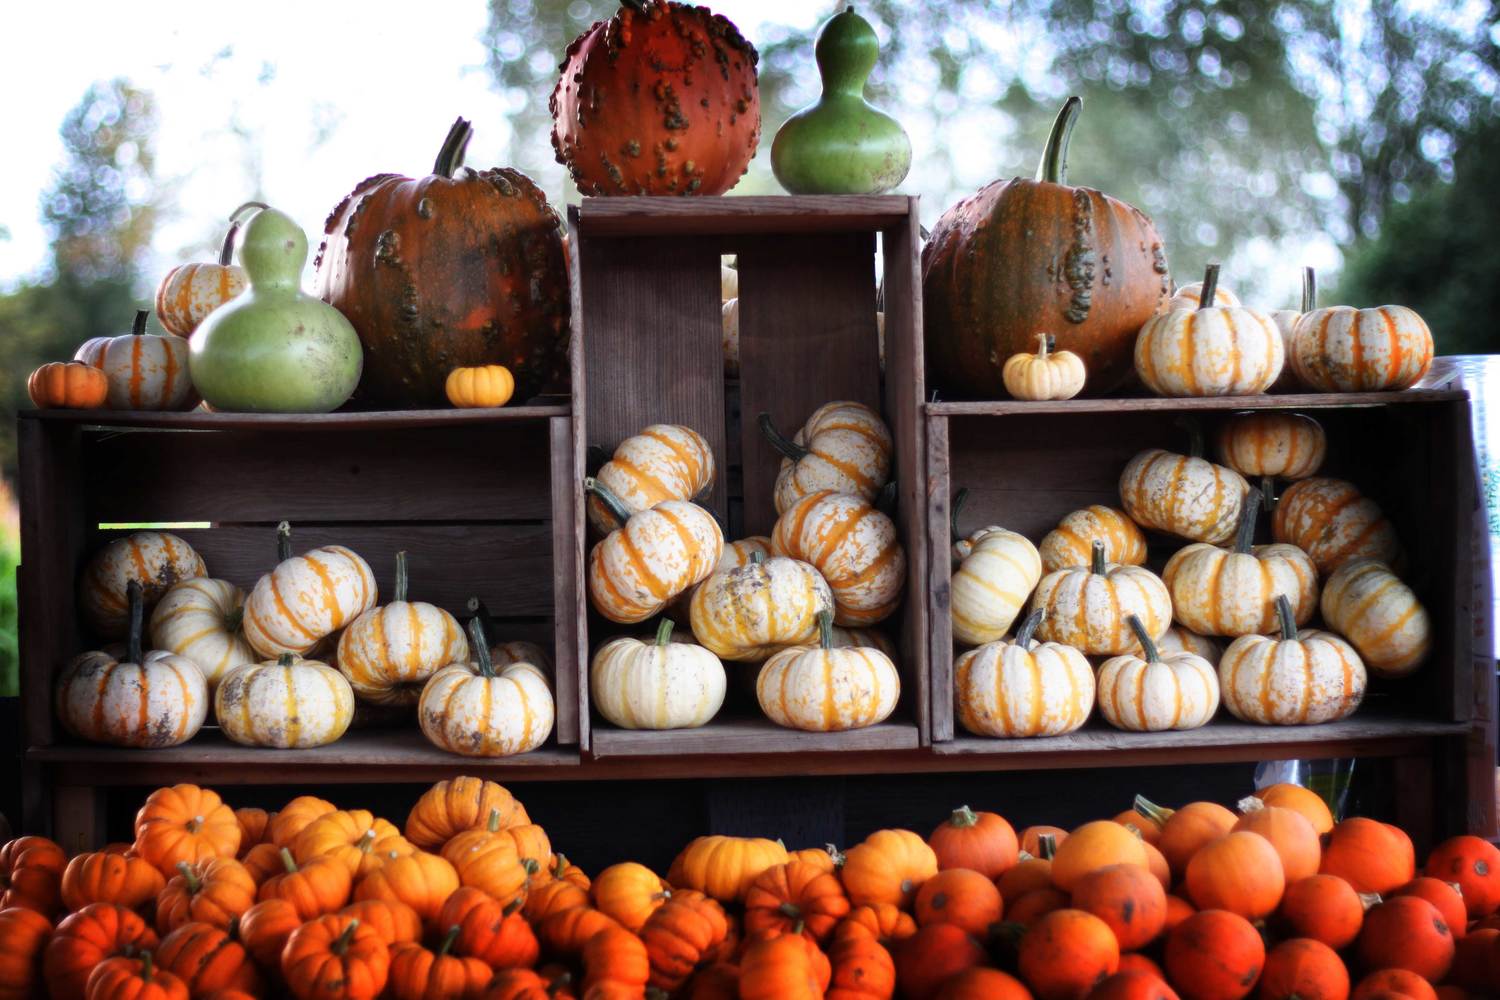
{"type": "Point", "coordinates": [844, 447]}
{"type": "Point", "coordinates": [145, 372]}
{"type": "Point", "coordinates": [1291, 679]}
{"type": "Point", "coordinates": [749, 612]}
{"type": "Point", "coordinates": [1180, 640]}
{"type": "Point", "coordinates": [1343, 349]}
{"type": "Point", "coordinates": [1183, 495]}
{"type": "Point", "coordinates": [200, 619]}
{"type": "Point", "coordinates": [388, 652]}
{"type": "Point", "coordinates": [146, 700]}
{"type": "Point", "coordinates": [1380, 616]}
{"type": "Point", "coordinates": [1333, 522]}
{"type": "Point", "coordinates": [853, 545]}
{"type": "Point", "coordinates": [740, 553]}
{"type": "Point", "coordinates": [1209, 351]}
{"type": "Point", "coordinates": [1088, 607]}
{"type": "Point", "coordinates": [1190, 296]}
{"type": "Point", "coordinates": [1232, 592]}
{"type": "Point", "coordinates": [470, 709]}
{"type": "Point", "coordinates": [307, 598]}
{"type": "Point", "coordinates": [826, 689]}
{"type": "Point", "coordinates": [658, 554]}
{"type": "Point", "coordinates": [154, 559]}
{"type": "Point", "coordinates": [1155, 692]}
{"type": "Point", "coordinates": [991, 585]}
{"type": "Point", "coordinates": [1047, 374]}
{"type": "Point", "coordinates": [1286, 325]}
{"type": "Point", "coordinates": [284, 703]}
{"type": "Point", "coordinates": [656, 685]}
{"type": "Point", "coordinates": [662, 462]}
{"type": "Point", "coordinates": [1022, 688]}
{"type": "Point", "coordinates": [1071, 542]}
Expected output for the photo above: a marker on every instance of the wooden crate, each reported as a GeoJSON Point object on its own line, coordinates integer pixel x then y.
{"type": "Point", "coordinates": [647, 349]}
{"type": "Point", "coordinates": [473, 497]}
{"type": "Point", "coordinates": [1026, 464]}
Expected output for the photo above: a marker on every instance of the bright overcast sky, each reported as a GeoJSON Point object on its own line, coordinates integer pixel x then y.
{"type": "Point", "coordinates": [387, 78]}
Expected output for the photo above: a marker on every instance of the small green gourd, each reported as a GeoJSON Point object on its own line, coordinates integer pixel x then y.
{"type": "Point", "coordinates": [275, 349]}
{"type": "Point", "coordinates": [842, 144]}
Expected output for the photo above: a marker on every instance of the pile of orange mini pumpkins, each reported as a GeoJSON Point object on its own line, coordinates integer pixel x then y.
{"type": "Point", "coordinates": [471, 900]}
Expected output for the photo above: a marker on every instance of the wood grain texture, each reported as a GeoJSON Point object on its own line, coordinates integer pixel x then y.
{"type": "Point", "coordinates": [566, 607]}
{"type": "Point", "coordinates": [576, 523]}
{"type": "Point", "coordinates": [748, 736]}
{"type": "Point", "coordinates": [939, 580]}
{"type": "Point", "coordinates": [368, 420]}
{"type": "Point", "coordinates": [778, 214]}
{"type": "Point", "coordinates": [1139, 404]}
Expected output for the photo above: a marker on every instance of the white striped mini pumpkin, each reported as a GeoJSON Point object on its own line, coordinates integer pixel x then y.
{"type": "Point", "coordinates": [1190, 296]}
{"type": "Point", "coordinates": [1023, 688]}
{"type": "Point", "coordinates": [474, 710]}
{"type": "Point", "coordinates": [388, 652]}
{"type": "Point", "coordinates": [189, 292]}
{"type": "Point", "coordinates": [144, 700]}
{"type": "Point", "coordinates": [1232, 592]}
{"type": "Point", "coordinates": [1270, 443]}
{"type": "Point", "coordinates": [1071, 542]}
{"type": "Point", "coordinates": [154, 559]}
{"type": "Point", "coordinates": [1088, 607]}
{"type": "Point", "coordinates": [660, 684]}
{"type": "Point", "coordinates": [741, 552]}
{"type": "Point", "coordinates": [659, 553]}
{"type": "Point", "coordinates": [844, 446]}
{"type": "Point", "coordinates": [1343, 349]}
{"type": "Point", "coordinates": [307, 598]}
{"type": "Point", "coordinates": [1292, 678]}
{"type": "Point", "coordinates": [750, 612]}
{"type": "Point", "coordinates": [991, 585]}
{"type": "Point", "coordinates": [662, 462]}
{"type": "Point", "coordinates": [827, 689]}
{"type": "Point", "coordinates": [853, 545]}
{"type": "Point", "coordinates": [1333, 522]}
{"type": "Point", "coordinates": [1155, 691]}
{"type": "Point", "coordinates": [201, 619]}
{"type": "Point", "coordinates": [91, 351]}
{"type": "Point", "coordinates": [1380, 616]}
{"type": "Point", "coordinates": [504, 653]}
{"type": "Point", "coordinates": [1182, 495]}
{"type": "Point", "coordinates": [1212, 350]}
{"type": "Point", "coordinates": [284, 703]}
{"type": "Point", "coordinates": [1180, 640]}
{"type": "Point", "coordinates": [146, 372]}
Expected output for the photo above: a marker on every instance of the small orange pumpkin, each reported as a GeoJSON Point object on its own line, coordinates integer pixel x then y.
{"type": "Point", "coordinates": [1240, 872]}
{"type": "Point", "coordinates": [70, 385]}
{"type": "Point", "coordinates": [795, 895]}
{"type": "Point", "coordinates": [889, 866]}
{"type": "Point", "coordinates": [1126, 897]}
{"type": "Point", "coordinates": [1066, 953]}
{"type": "Point", "coordinates": [959, 896]}
{"type": "Point", "coordinates": [982, 841]}
{"type": "Point", "coordinates": [481, 385]}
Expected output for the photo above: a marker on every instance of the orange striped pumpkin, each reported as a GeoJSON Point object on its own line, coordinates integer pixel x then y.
{"type": "Point", "coordinates": [1269, 443]}
{"type": "Point", "coordinates": [853, 545]}
{"type": "Point", "coordinates": [1333, 523]}
{"type": "Point", "coordinates": [740, 553]}
{"type": "Point", "coordinates": [388, 653]}
{"type": "Point", "coordinates": [1380, 616]}
{"type": "Point", "coordinates": [474, 710]}
{"type": "Point", "coordinates": [284, 703]}
{"type": "Point", "coordinates": [662, 462]}
{"type": "Point", "coordinates": [1089, 607]}
{"type": "Point", "coordinates": [751, 612]}
{"type": "Point", "coordinates": [1153, 692]}
{"type": "Point", "coordinates": [1211, 350]}
{"type": "Point", "coordinates": [1180, 640]}
{"type": "Point", "coordinates": [1183, 495]}
{"type": "Point", "coordinates": [145, 372]}
{"type": "Point", "coordinates": [828, 690]}
{"type": "Point", "coordinates": [844, 446]}
{"type": "Point", "coordinates": [307, 598]}
{"type": "Point", "coordinates": [189, 292]}
{"type": "Point", "coordinates": [1294, 679]}
{"type": "Point", "coordinates": [991, 585]}
{"type": "Point", "coordinates": [155, 560]}
{"type": "Point", "coordinates": [1233, 592]}
{"type": "Point", "coordinates": [1343, 349]}
{"type": "Point", "coordinates": [1071, 542]}
{"type": "Point", "coordinates": [200, 619]}
{"type": "Point", "coordinates": [658, 554]}
{"type": "Point", "coordinates": [1023, 688]}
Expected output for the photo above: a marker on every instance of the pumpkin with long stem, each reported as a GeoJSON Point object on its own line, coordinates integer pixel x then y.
{"type": "Point", "coordinates": [1152, 692]}
{"type": "Point", "coordinates": [388, 653]}
{"type": "Point", "coordinates": [306, 598]}
{"type": "Point", "coordinates": [85, 939]}
{"type": "Point", "coordinates": [472, 709]}
{"type": "Point", "coordinates": [995, 684]}
{"type": "Point", "coordinates": [1212, 350]}
{"type": "Point", "coordinates": [844, 447]}
{"type": "Point", "coordinates": [1343, 349]}
{"type": "Point", "coordinates": [1047, 374]}
{"type": "Point", "coordinates": [145, 371]}
{"type": "Point", "coordinates": [189, 292]}
{"type": "Point", "coordinates": [1296, 679]}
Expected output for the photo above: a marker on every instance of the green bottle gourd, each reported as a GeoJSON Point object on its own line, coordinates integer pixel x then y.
{"type": "Point", "coordinates": [842, 144]}
{"type": "Point", "coordinates": [275, 349]}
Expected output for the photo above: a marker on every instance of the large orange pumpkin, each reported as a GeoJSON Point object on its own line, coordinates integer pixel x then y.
{"type": "Point", "coordinates": [1026, 255]}
{"type": "Point", "coordinates": [1066, 954]}
{"type": "Point", "coordinates": [1369, 855]}
{"type": "Point", "coordinates": [456, 269]}
{"type": "Point", "coordinates": [1407, 932]}
{"type": "Point", "coordinates": [1215, 955]}
{"type": "Point", "coordinates": [662, 98]}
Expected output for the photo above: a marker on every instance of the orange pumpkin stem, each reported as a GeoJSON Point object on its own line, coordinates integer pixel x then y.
{"type": "Point", "coordinates": [138, 327]}
{"type": "Point", "coordinates": [1246, 532]}
{"type": "Point", "coordinates": [1249, 804]}
{"type": "Point", "coordinates": [1144, 638]}
{"type": "Point", "coordinates": [366, 842]}
{"type": "Point", "coordinates": [1286, 619]}
{"type": "Point", "coordinates": [481, 647]}
{"type": "Point", "coordinates": [1023, 637]}
{"type": "Point", "coordinates": [959, 499]}
{"type": "Point", "coordinates": [1210, 289]}
{"type": "Point", "coordinates": [791, 911]}
{"type": "Point", "coordinates": [1309, 289]}
{"type": "Point", "coordinates": [664, 631]}
{"type": "Point", "coordinates": [401, 579]}
{"type": "Point", "coordinates": [789, 449]}
{"type": "Point", "coordinates": [451, 156]}
{"type": "Point", "coordinates": [1054, 166]}
{"type": "Point", "coordinates": [133, 640]}
{"type": "Point", "coordinates": [284, 541]}
{"type": "Point", "coordinates": [492, 824]}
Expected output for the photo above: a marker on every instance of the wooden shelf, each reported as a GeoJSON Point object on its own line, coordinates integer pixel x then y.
{"type": "Point", "coordinates": [747, 736]}
{"type": "Point", "coordinates": [371, 420]}
{"type": "Point", "coordinates": [1142, 404]}
{"type": "Point", "coordinates": [751, 215]}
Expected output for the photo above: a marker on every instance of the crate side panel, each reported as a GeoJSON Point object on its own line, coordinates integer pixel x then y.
{"type": "Point", "coordinates": [564, 580]}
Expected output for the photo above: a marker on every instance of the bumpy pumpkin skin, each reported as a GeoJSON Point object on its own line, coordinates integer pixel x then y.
{"type": "Point", "coordinates": [660, 100]}
{"type": "Point", "coordinates": [1025, 255]}
{"type": "Point", "coordinates": [448, 272]}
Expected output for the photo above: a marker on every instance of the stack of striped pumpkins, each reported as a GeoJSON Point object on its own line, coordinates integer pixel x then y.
{"type": "Point", "coordinates": [799, 603]}
{"type": "Point", "coordinates": [1163, 666]}
{"type": "Point", "coordinates": [257, 661]}
{"type": "Point", "coordinates": [469, 900]}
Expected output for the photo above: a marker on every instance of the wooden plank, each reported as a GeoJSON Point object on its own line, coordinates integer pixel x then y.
{"type": "Point", "coordinates": [370, 420]}
{"type": "Point", "coordinates": [78, 817]}
{"type": "Point", "coordinates": [807, 337]}
{"type": "Point", "coordinates": [654, 349]}
{"type": "Point", "coordinates": [904, 392]}
{"type": "Point", "coordinates": [1460, 508]}
{"type": "Point", "coordinates": [508, 566]}
{"type": "Point", "coordinates": [748, 736]}
{"type": "Point", "coordinates": [566, 612]}
{"type": "Point", "coordinates": [939, 580]}
{"type": "Point", "coordinates": [576, 520]}
{"type": "Point", "coordinates": [1143, 404]}
{"type": "Point", "coordinates": [462, 473]}
{"type": "Point", "coordinates": [764, 214]}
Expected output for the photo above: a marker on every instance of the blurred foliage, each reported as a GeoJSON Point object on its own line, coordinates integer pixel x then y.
{"type": "Point", "coordinates": [10, 556]}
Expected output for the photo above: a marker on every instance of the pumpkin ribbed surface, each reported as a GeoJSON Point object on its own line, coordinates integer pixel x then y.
{"type": "Point", "coordinates": [657, 555]}
{"type": "Point", "coordinates": [991, 585]}
{"type": "Point", "coordinates": [387, 653]}
{"type": "Point", "coordinates": [200, 619]}
{"type": "Point", "coordinates": [1287, 445]}
{"type": "Point", "coordinates": [1004, 689]}
{"type": "Point", "coordinates": [146, 372]}
{"type": "Point", "coordinates": [662, 462]}
{"type": "Point", "coordinates": [1180, 640]}
{"type": "Point", "coordinates": [1333, 523]}
{"type": "Point", "coordinates": [1215, 351]}
{"type": "Point", "coordinates": [828, 690]}
{"type": "Point", "coordinates": [154, 559]}
{"type": "Point", "coordinates": [1380, 616]}
{"type": "Point", "coordinates": [1316, 677]}
{"type": "Point", "coordinates": [1177, 691]}
{"type": "Point", "coordinates": [70, 385]}
{"type": "Point", "coordinates": [1069, 544]}
{"type": "Point", "coordinates": [662, 685]}
{"type": "Point", "coordinates": [158, 703]}
{"type": "Point", "coordinates": [299, 704]}
{"type": "Point", "coordinates": [1089, 610]}
{"type": "Point", "coordinates": [848, 451]}
{"type": "Point", "coordinates": [724, 867]}
{"type": "Point", "coordinates": [307, 598]}
{"type": "Point", "coordinates": [1045, 374]}
{"type": "Point", "coordinates": [750, 612]}
{"type": "Point", "coordinates": [466, 713]}
{"type": "Point", "coordinates": [1190, 296]}
{"type": "Point", "coordinates": [854, 547]}
{"type": "Point", "coordinates": [742, 552]}
{"type": "Point", "coordinates": [189, 292]}
{"type": "Point", "coordinates": [1342, 349]}
{"type": "Point", "coordinates": [1224, 592]}
{"type": "Point", "coordinates": [1181, 495]}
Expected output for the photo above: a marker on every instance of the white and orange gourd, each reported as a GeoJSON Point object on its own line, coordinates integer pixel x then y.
{"type": "Point", "coordinates": [306, 598]}
{"type": "Point", "coordinates": [201, 619]}
{"type": "Point", "coordinates": [1089, 607]}
{"type": "Point", "coordinates": [156, 560]}
{"type": "Point", "coordinates": [656, 685]}
{"type": "Point", "coordinates": [1381, 617]}
{"type": "Point", "coordinates": [750, 612]}
{"type": "Point", "coordinates": [1343, 349]}
{"type": "Point", "coordinates": [473, 710]}
{"type": "Point", "coordinates": [843, 446]}
{"type": "Point", "coordinates": [1333, 522]}
{"type": "Point", "coordinates": [286, 703]}
{"type": "Point", "coordinates": [1023, 688]}
{"type": "Point", "coordinates": [1153, 692]}
{"type": "Point", "coordinates": [388, 652]}
{"type": "Point", "coordinates": [1212, 350]}
{"type": "Point", "coordinates": [662, 462]}
{"type": "Point", "coordinates": [1047, 374]}
{"type": "Point", "coordinates": [1071, 542]}
{"type": "Point", "coordinates": [656, 555]}
{"type": "Point", "coordinates": [1293, 678]}
{"type": "Point", "coordinates": [1183, 495]}
{"type": "Point", "coordinates": [853, 545]}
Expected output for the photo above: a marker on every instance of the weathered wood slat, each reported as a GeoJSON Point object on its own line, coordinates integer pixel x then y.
{"type": "Point", "coordinates": [667, 216]}
{"type": "Point", "coordinates": [368, 420]}
{"type": "Point", "coordinates": [1144, 404]}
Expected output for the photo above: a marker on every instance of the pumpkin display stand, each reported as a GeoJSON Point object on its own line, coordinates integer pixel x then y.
{"type": "Point", "coordinates": [1027, 464]}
